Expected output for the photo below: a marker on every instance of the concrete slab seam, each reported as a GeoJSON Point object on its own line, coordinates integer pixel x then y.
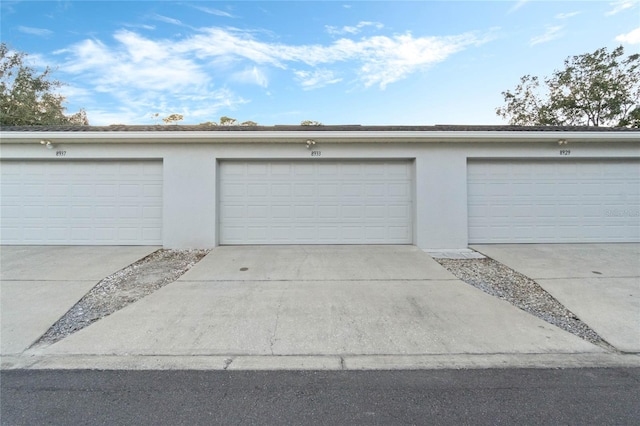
{"type": "Point", "coordinates": [324, 362]}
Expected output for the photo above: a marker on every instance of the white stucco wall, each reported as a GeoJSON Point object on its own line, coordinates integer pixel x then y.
{"type": "Point", "coordinates": [190, 171]}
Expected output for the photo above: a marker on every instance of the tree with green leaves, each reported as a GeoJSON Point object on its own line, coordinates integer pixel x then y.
{"type": "Point", "coordinates": [28, 97]}
{"type": "Point", "coordinates": [228, 121]}
{"type": "Point", "coordinates": [594, 89]}
{"type": "Point", "coordinates": [310, 123]}
{"type": "Point", "coordinates": [173, 118]}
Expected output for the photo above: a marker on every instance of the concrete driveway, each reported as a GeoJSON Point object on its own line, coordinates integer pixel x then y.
{"type": "Point", "coordinates": [598, 282]}
{"type": "Point", "coordinates": [39, 284]}
{"type": "Point", "coordinates": [289, 301]}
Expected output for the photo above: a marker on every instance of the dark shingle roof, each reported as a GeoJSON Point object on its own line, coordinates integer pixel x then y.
{"type": "Point", "coordinates": [339, 128]}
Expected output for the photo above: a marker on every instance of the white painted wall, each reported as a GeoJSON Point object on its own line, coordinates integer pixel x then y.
{"type": "Point", "coordinates": [190, 172]}
{"type": "Point", "coordinates": [441, 198]}
{"type": "Point", "coordinates": [189, 214]}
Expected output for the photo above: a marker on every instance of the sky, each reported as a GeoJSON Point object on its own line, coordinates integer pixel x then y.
{"type": "Point", "coordinates": [282, 62]}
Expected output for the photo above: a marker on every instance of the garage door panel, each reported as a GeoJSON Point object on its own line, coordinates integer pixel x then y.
{"type": "Point", "coordinates": [401, 212]}
{"type": "Point", "coordinates": [301, 169]}
{"type": "Point", "coordinates": [303, 190]}
{"type": "Point", "coordinates": [553, 201]}
{"type": "Point", "coordinates": [81, 202]}
{"type": "Point", "coordinates": [328, 212]}
{"type": "Point", "coordinates": [327, 202]}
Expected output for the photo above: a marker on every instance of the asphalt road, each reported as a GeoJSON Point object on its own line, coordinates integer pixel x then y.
{"type": "Point", "coordinates": [510, 396]}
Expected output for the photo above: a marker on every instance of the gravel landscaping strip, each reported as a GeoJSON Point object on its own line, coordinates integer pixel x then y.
{"type": "Point", "coordinates": [498, 280]}
{"type": "Point", "coordinates": [122, 288]}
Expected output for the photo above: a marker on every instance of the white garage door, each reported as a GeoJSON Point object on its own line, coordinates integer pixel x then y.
{"type": "Point", "coordinates": [81, 202]}
{"type": "Point", "coordinates": [319, 202]}
{"type": "Point", "coordinates": [554, 201]}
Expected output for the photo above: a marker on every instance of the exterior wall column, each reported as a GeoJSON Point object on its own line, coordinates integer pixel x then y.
{"type": "Point", "coordinates": [441, 198]}
{"type": "Point", "coordinates": [189, 194]}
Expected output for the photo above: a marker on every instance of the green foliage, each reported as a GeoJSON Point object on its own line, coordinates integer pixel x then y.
{"type": "Point", "coordinates": [228, 121]}
{"type": "Point", "coordinates": [310, 123]}
{"type": "Point", "coordinates": [29, 98]}
{"type": "Point", "coordinates": [594, 89]}
{"type": "Point", "coordinates": [173, 118]}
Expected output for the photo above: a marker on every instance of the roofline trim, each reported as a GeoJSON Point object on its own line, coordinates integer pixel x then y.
{"type": "Point", "coordinates": [324, 136]}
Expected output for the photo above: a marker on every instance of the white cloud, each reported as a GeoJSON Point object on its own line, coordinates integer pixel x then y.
{"type": "Point", "coordinates": [377, 60]}
{"type": "Point", "coordinates": [315, 79]}
{"type": "Point", "coordinates": [212, 11]}
{"type": "Point", "coordinates": [552, 33]}
{"type": "Point", "coordinates": [149, 75]}
{"type": "Point", "coordinates": [517, 6]}
{"type": "Point", "coordinates": [386, 60]}
{"type": "Point", "coordinates": [621, 5]}
{"type": "Point", "coordinates": [168, 20]}
{"type": "Point", "coordinates": [252, 75]}
{"type": "Point", "coordinates": [87, 54]}
{"type": "Point", "coordinates": [137, 63]}
{"type": "Point", "coordinates": [101, 117]}
{"type": "Point", "coordinates": [69, 91]}
{"type": "Point", "coordinates": [632, 37]}
{"type": "Point", "coordinates": [143, 26]}
{"type": "Point", "coordinates": [35, 31]}
{"type": "Point", "coordinates": [566, 15]}
{"type": "Point", "coordinates": [137, 107]}
{"type": "Point", "coordinates": [353, 29]}
{"type": "Point", "coordinates": [38, 61]}
{"type": "Point", "coordinates": [143, 75]}
{"type": "Point", "coordinates": [228, 43]}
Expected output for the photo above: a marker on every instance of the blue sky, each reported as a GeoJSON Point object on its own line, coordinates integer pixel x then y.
{"type": "Point", "coordinates": [281, 62]}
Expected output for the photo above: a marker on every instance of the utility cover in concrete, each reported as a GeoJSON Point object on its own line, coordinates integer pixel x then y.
{"type": "Point", "coordinates": [256, 263]}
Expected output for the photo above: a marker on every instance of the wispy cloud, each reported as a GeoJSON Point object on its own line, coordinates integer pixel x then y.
{"type": "Point", "coordinates": [317, 78]}
{"type": "Point", "coordinates": [352, 29]}
{"type": "Point", "coordinates": [252, 75]}
{"type": "Point", "coordinates": [145, 76]}
{"type": "Point", "coordinates": [43, 32]}
{"type": "Point", "coordinates": [138, 63]}
{"type": "Point", "coordinates": [632, 37]}
{"type": "Point", "coordinates": [212, 11]}
{"type": "Point", "coordinates": [377, 60]}
{"type": "Point", "coordinates": [518, 5]}
{"type": "Point", "coordinates": [551, 33]}
{"type": "Point", "coordinates": [142, 26]}
{"type": "Point", "coordinates": [566, 15]}
{"type": "Point", "coordinates": [621, 5]}
{"type": "Point", "coordinates": [168, 20]}
{"type": "Point", "coordinates": [157, 75]}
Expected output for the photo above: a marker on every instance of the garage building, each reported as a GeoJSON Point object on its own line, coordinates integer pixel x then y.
{"type": "Point", "coordinates": [436, 187]}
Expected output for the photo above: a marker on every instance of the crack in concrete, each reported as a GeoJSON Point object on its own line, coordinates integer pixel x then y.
{"type": "Point", "coordinates": [272, 339]}
{"type": "Point", "coordinates": [227, 362]}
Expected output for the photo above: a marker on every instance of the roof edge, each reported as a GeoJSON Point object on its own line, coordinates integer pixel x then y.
{"type": "Point", "coordinates": [273, 136]}
{"type": "Point", "coordinates": [322, 128]}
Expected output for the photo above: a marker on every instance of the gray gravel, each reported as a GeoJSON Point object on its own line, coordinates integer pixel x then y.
{"type": "Point", "coordinates": [165, 266]}
{"type": "Point", "coordinates": [122, 288]}
{"type": "Point", "coordinates": [498, 280]}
